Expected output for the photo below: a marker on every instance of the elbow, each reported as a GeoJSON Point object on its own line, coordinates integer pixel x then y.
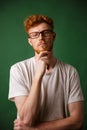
{"type": "Point", "coordinates": [26, 118]}
{"type": "Point", "coordinates": [28, 122]}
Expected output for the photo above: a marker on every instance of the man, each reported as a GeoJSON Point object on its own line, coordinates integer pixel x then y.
{"type": "Point", "coordinates": [45, 90]}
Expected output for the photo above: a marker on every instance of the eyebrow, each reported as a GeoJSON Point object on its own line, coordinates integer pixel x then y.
{"type": "Point", "coordinates": [42, 31]}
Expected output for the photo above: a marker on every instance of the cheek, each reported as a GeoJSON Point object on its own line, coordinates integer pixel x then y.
{"type": "Point", "coordinates": [50, 41]}
{"type": "Point", "coordinates": [50, 44]}
{"type": "Point", "coordinates": [32, 42]}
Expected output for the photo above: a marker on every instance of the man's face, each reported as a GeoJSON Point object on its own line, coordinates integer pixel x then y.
{"type": "Point", "coordinates": [41, 37]}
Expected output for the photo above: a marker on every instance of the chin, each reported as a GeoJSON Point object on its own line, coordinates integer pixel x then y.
{"type": "Point", "coordinates": [45, 49]}
{"type": "Point", "coordinates": [38, 51]}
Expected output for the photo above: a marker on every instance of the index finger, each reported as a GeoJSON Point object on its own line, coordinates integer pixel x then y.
{"type": "Point", "coordinates": [44, 53]}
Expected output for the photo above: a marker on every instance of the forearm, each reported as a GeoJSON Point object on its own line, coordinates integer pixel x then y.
{"type": "Point", "coordinates": [63, 124]}
{"type": "Point", "coordinates": [30, 108]}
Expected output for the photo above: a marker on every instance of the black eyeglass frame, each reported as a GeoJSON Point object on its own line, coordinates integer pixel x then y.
{"type": "Point", "coordinates": [44, 33]}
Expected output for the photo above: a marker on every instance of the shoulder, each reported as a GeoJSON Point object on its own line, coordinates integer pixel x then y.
{"type": "Point", "coordinates": [22, 64]}
{"type": "Point", "coordinates": [66, 68]}
{"type": "Point", "coordinates": [64, 65]}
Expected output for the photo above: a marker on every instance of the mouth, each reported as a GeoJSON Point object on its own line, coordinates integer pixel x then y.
{"type": "Point", "coordinates": [42, 46]}
{"type": "Point", "coordinates": [42, 43]}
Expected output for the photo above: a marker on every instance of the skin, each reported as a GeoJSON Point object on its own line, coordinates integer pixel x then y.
{"type": "Point", "coordinates": [28, 106]}
{"type": "Point", "coordinates": [41, 44]}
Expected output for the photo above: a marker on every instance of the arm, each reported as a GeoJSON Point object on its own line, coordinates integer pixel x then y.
{"type": "Point", "coordinates": [28, 107]}
{"type": "Point", "coordinates": [73, 122]}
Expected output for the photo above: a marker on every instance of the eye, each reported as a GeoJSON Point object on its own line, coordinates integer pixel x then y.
{"type": "Point", "coordinates": [45, 32]}
{"type": "Point", "coordinates": [48, 32]}
{"type": "Point", "coordinates": [34, 34]}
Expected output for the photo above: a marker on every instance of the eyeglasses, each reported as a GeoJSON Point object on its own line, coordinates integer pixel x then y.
{"type": "Point", "coordinates": [45, 33]}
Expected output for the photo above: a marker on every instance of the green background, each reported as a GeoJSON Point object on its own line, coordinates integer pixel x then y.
{"type": "Point", "coordinates": [70, 19]}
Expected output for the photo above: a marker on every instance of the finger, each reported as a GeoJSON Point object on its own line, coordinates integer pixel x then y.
{"type": "Point", "coordinates": [17, 123]}
{"type": "Point", "coordinates": [46, 61]}
{"type": "Point", "coordinates": [17, 128]}
{"type": "Point", "coordinates": [47, 54]}
{"type": "Point", "coordinates": [15, 120]}
{"type": "Point", "coordinates": [43, 53]}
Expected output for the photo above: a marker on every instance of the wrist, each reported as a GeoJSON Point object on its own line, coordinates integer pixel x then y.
{"type": "Point", "coordinates": [37, 79]}
{"type": "Point", "coordinates": [38, 76]}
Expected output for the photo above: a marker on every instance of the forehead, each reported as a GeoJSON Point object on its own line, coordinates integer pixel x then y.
{"type": "Point", "coordinates": [39, 27]}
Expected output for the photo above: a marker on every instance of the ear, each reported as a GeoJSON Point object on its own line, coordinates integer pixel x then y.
{"type": "Point", "coordinates": [54, 35]}
{"type": "Point", "coordinates": [29, 41]}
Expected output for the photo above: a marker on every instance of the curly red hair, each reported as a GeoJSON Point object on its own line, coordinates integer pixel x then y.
{"type": "Point", "coordinates": [36, 19]}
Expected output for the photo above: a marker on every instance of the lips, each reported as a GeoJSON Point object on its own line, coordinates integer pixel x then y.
{"type": "Point", "coordinates": [41, 47]}
{"type": "Point", "coordinates": [42, 43]}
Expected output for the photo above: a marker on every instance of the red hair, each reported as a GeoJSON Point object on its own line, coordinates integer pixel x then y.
{"type": "Point", "coordinates": [36, 19]}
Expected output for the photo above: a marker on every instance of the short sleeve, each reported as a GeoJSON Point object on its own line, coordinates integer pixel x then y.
{"type": "Point", "coordinates": [75, 91]}
{"type": "Point", "coordinates": [17, 86]}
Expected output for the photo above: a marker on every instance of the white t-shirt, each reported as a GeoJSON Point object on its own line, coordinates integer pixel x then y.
{"type": "Point", "coordinates": [58, 89]}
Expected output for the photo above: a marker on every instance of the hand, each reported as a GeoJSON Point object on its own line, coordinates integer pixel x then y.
{"type": "Point", "coordinates": [42, 62]}
{"type": "Point", "coordinates": [19, 125]}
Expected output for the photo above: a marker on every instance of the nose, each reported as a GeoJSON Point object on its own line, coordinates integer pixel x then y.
{"type": "Point", "coordinates": [41, 36]}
